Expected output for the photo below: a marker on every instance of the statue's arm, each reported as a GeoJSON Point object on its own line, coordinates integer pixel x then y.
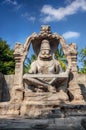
{"type": "Point", "coordinates": [33, 68]}
{"type": "Point", "coordinates": [58, 68]}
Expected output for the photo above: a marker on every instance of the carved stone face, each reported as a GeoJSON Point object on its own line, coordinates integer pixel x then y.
{"type": "Point", "coordinates": [45, 51]}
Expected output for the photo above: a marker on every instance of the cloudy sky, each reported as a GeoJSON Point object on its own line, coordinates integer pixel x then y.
{"type": "Point", "coordinates": [20, 18]}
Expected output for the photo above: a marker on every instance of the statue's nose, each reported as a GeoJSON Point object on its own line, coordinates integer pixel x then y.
{"type": "Point", "coordinates": [46, 52]}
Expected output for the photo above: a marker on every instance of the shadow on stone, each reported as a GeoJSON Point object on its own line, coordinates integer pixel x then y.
{"type": "Point", "coordinates": [70, 95]}
{"type": "Point", "coordinates": [83, 123]}
{"type": "Point", "coordinates": [83, 90]}
{"type": "Point", "coordinates": [5, 91]}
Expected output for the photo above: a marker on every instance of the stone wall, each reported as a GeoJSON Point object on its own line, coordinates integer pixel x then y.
{"type": "Point", "coordinates": [81, 79]}
{"type": "Point", "coordinates": [6, 84]}
{"type": "Point", "coordinates": [1, 84]}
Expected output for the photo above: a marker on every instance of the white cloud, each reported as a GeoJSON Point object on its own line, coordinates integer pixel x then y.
{"type": "Point", "coordinates": [32, 18]}
{"type": "Point", "coordinates": [52, 14]}
{"type": "Point", "coordinates": [71, 34]}
{"type": "Point", "coordinates": [27, 16]}
{"type": "Point", "coordinates": [13, 2]}
{"type": "Point", "coordinates": [16, 5]}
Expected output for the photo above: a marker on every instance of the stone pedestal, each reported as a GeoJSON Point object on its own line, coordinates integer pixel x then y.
{"type": "Point", "coordinates": [75, 90]}
{"type": "Point", "coordinates": [41, 104]}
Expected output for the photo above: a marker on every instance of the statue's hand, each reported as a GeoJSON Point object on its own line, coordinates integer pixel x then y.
{"type": "Point", "coordinates": [51, 89]}
{"type": "Point", "coordinates": [68, 70]}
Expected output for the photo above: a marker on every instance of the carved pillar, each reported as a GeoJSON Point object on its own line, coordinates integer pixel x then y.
{"type": "Point", "coordinates": [17, 92]}
{"type": "Point", "coordinates": [74, 88]}
{"type": "Point", "coordinates": [73, 63]}
{"type": "Point", "coordinates": [71, 54]}
{"type": "Point", "coordinates": [18, 78]}
{"type": "Point", "coordinates": [69, 60]}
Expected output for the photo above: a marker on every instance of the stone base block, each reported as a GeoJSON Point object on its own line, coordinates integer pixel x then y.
{"type": "Point", "coordinates": [70, 123]}
{"type": "Point", "coordinates": [7, 108]}
{"type": "Point", "coordinates": [46, 97]}
{"type": "Point", "coordinates": [41, 104]}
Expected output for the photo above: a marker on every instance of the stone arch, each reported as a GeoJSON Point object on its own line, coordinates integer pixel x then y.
{"type": "Point", "coordinates": [27, 44]}
{"type": "Point", "coordinates": [55, 40]}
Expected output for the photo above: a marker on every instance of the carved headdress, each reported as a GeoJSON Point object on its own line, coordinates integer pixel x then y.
{"type": "Point", "coordinates": [45, 45]}
{"type": "Point", "coordinates": [45, 37]}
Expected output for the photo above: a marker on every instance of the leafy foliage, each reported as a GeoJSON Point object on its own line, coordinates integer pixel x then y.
{"type": "Point", "coordinates": [28, 63]}
{"type": "Point", "coordinates": [61, 58]}
{"type": "Point", "coordinates": [82, 60]}
{"type": "Point", "coordinates": [7, 63]}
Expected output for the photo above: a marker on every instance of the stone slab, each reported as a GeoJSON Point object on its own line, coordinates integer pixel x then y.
{"type": "Point", "coordinates": [72, 123]}
{"type": "Point", "coordinates": [61, 75]}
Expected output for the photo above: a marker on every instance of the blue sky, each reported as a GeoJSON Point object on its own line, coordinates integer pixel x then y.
{"type": "Point", "coordinates": [20, 18]}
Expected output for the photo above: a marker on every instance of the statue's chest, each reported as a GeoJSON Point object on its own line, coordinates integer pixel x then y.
{"type": "Point", "coordinates": [46, 67]}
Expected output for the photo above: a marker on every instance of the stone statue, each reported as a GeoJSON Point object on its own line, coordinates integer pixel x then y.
{"type": "Point", "coordinates": [45, 64]}
{"type": "Point", "coordinates": [46, 91]}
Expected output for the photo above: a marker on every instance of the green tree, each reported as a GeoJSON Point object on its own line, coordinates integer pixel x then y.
{"type": "Point", "coordinates": [82, 60]}
{"type": "Point", "coordinates": [7, 63]}
{"type": "Point", "coordinates": [61, 58]}
{"type": "Point", "coordinates": [28, 62]}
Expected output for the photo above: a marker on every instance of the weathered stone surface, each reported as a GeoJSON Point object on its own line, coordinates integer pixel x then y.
{"type": "Point", "coordinates": [17, 95]}
{"type": "Point", "coordinates": [58, 96]}
{"type": "Point", "coordinates": [75, 90]}
{"type": "Point", "coordinates": [41, 104]}
{"type": "Point", "coordinates": [10, 109]}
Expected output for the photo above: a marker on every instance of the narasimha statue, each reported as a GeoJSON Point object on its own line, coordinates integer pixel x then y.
{"type": "Point", "coordinates": [46, 65]}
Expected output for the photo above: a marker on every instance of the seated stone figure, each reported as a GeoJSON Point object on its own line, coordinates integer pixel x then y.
{"type": "Point", "coordinates": [42, 73]}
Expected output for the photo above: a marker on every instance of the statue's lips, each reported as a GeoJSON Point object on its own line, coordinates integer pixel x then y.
{"type": "Point", "coordinates": [45, 56]}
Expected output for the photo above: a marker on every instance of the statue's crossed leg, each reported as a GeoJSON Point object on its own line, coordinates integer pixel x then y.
{"type": "Point", "coordinates": [39, 83]}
